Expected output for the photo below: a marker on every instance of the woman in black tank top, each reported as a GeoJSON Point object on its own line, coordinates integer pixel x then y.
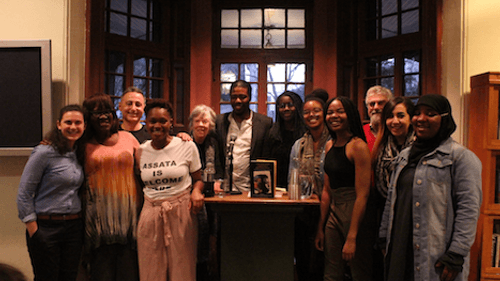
{"type": "Point", "coordinates": [345, 194]}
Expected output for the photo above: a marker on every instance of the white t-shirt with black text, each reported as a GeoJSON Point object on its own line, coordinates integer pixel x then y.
{"type": "Point", "coordinates": [166, 172]}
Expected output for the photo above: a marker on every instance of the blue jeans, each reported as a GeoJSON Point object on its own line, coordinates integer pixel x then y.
{"type": "Point", "coordinates": [55, 249]}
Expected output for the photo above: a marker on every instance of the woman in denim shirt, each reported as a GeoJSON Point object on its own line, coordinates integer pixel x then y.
{"type": "Point", "coordinates": [48, 200]}
{"type": "Point", "coordinates": [433, 201]}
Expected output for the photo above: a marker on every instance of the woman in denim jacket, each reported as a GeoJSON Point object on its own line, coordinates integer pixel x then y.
{"type": "Point", "coordinates": [433, 201]}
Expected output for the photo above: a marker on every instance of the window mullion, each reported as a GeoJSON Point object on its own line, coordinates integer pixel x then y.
{"type": "Point", "coordinates": [262, 96]}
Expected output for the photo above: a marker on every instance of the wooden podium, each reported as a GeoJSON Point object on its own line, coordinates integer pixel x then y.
{"type": "Point", "coordinates": [257, 236]}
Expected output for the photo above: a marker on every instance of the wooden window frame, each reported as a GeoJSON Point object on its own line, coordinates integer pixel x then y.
{"type": "Point", "coordinates": [174, 50]}
{"type": "Point", "coordinates": [260, 56]}
{"type": "Point", "coordinates": [426, 40]}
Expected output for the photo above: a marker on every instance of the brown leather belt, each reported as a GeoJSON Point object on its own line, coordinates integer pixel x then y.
{"type": "Point", "coordinates": [60, 217]}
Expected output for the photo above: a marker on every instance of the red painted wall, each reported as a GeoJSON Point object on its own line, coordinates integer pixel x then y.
{"type": "Point", "coordinates": [201, 54]}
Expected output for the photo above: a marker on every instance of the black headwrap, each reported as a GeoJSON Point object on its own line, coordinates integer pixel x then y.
{"type": "Point", "coordinates": [448, 126]}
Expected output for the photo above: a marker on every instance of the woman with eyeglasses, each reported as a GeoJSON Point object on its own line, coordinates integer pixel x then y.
{"type": "Point", "coordinates": [288, 128]}
{"type": "Point", "coordinates": [307, 156]}
{"type": "Point", "coordinates": [112, 195]}
{"type": "Point", "coordinates": [433, 201]}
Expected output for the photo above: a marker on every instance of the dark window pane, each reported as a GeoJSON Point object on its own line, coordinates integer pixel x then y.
{"type": "Point", "coordinates": [274, 39]}
{"type": "Point", "coordinates": [249, 72]}
{"type": "Point", "coordinates": [224, 108]}
{"type": "Point", "coordinates": [141, 84]}
{"type": "Point", "coordinates": [372, 67]}
{"type": "Point", "coordinates": [115, 62]}
{"type": "Point", "coordinates": [140, 66]}
{"type": "Point", "coordinates": [229, 38]}
{"type": "Point", "coordinates": [140, 8]}
{"type": "Point", "coordinates": [388, 83]}
{"type": "Point", "coordinates": [296, 18]}
{"type": "Point", "coordinates": [274, 90]}
{"type": "Point", "coordinates": [389, 26]}
{"type": "Point", "coordinates": [275, 72]}
{"type": "Point", "coordinates": [251, 38]}
{"type": "Point", "coordinates": [116, 85]}
{"type": "Point", "coordinates": [156, 89]}
{"type": "Point", "coordinates": [274, 18]}
{"type": "Point", "coordinates": [410, 22]}
{"type": "Point", "coordinates": [263, 28]}
{"type": "Point", "coordinates": [116, 102]}
{"type": "Point", "coordinates": [412, 85]}
{"type": "Point", "coordinates": [296, 39]}
{"type": "Point", "coordinates": [155, 68]}
{"type": "Point", "coordinates": [408, 4]}
{"type": "Point", "coordinates": [118, 24]}
{"type": "Point", "coordinates": [389, 7]}
{"type": "Point", "coordinates": [119, 5]}
{"type": "Point", "coordinates": [411, 62]}
{"type": "Point", "coordinates": [229, 18]}
{"type": "Point", "coordinates": [138, 28]}
{"type": "Point", "coordinates": [228, 72]}
{"type": "Point", "coordinates": [299, 89]}
{"type": "Point", "coordinates": [251, 18]}
{"type": "Point", "coordinates": [296, 72]}
{"type": "Point", "coordinates": [387, 65]}
{"type": "Point", "coordinates": [271, 111]}
{"type": "Point", "coordinates": [224, 92]}
{"type": "Point", "coordinates": [255, 91]}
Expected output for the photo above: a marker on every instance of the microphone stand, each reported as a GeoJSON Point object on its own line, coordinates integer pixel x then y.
{"type": "Point", "coordinates": [228, 180]}
{"type": "Point", "coordinates": [209, 172]}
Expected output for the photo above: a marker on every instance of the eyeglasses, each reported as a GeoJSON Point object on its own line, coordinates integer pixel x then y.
{"type": "Point", "coordinates": [97, 113]}
{"type": "Point", "coordinates": [315, 111]}
{"type": "Point", "coordinates": [284, 105]}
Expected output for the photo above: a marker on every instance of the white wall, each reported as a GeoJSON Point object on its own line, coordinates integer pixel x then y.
{"type": "Point", "coordinates": [482, 40]}
{"type": "Point", "coordinates": [63, 22]}
{"type": "Point", "coordinates": [471, 39]}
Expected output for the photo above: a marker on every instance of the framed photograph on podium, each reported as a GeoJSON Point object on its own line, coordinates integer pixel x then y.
{"type": "Point", "coordinates": [263, 177]}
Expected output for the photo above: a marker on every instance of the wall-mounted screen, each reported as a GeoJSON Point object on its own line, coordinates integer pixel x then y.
{"type": "Point", "coordinates": [25, 91]}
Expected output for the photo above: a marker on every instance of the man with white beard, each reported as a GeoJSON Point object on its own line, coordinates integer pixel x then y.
{"type": "Point", "coordinates": [376, 98]}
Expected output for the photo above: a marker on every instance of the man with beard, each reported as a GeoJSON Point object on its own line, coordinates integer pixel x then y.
{"type": "Point", "coordinates": [250, 129]}
{"type": "Point", "coordinates": [376, 98]}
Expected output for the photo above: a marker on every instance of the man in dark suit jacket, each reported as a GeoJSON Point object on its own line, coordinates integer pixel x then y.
{"type": "Point", "coordinates": [245, 125]}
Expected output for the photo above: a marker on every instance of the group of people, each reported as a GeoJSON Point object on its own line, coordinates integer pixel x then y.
{"type": "Point", "coordinates": [131, 196]}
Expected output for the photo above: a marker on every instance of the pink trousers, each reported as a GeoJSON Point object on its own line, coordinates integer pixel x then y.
{"type": "Point", "coordinates": [167, 237]}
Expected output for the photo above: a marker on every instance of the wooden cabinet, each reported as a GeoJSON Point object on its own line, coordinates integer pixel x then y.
{"type": "Point", "coordinates": [484, 140]}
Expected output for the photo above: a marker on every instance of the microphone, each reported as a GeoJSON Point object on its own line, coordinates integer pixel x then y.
{"type": "Point", "coordinates": [232, 139]}
{"type": "Point", "coordinates": [228, 179]}
{"type": "Point", "coordinates": [230, 146]}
